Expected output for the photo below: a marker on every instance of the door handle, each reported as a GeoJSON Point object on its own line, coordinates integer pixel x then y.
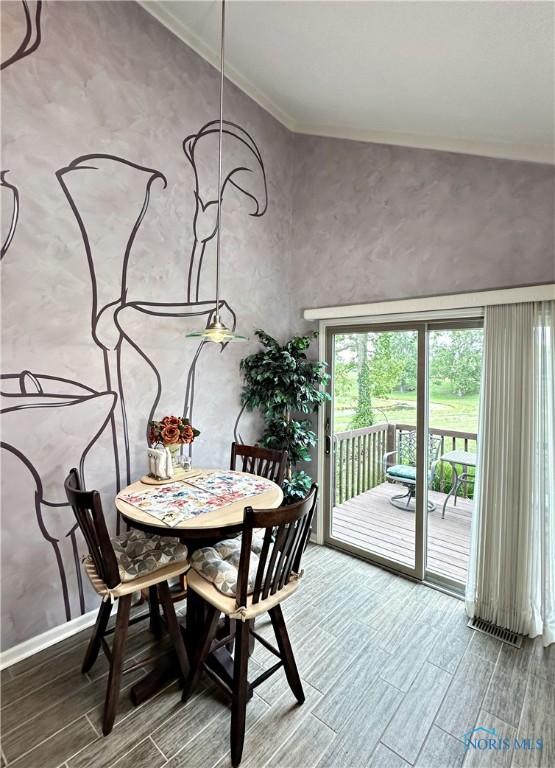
{"type": "Point", "coordinates": [327, 443]}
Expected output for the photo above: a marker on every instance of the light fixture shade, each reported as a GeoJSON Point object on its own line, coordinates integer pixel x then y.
{"type": "Point", "coordinates": [218, 333]}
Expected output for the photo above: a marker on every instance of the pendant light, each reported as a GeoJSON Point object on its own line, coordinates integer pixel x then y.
{"type": "Point", "coordinates": [216, 330]}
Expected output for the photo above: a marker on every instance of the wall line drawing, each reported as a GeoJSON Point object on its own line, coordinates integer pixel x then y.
{"type": "Point", "coordinates": [115, 328]}
{"type": "Point", "coordinates": [119, 306]}
{"type": "Point", "coordinates": [205, 224]}
{"type": "Point", "coordinates": [42, 401]}
{"type": "Point", "coordinates": [32, 30]}
{"type": "Point", "coordinates": [15, 213]}
{"type": "Point", "coordinates": [185, 310]}
{"type": "Point", "coordinates": [107, 288]}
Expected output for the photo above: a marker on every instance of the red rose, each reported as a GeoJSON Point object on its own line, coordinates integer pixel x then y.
{"type": "Point", "coordinates": [170, 421]}
{"type": "Point", "coordinates": [187, 434]}
{"type": "Point", "coordinates": [170, 435]}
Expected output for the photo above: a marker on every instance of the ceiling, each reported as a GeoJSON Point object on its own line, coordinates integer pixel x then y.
{"type": "Point", "coordinates": [475, 77]}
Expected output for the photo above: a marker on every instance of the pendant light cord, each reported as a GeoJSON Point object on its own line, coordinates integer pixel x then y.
{"type": "Point", "coordinates": [220, 144]}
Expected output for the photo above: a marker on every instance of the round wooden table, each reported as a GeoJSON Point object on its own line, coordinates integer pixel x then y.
{"type": "Point", "coordinates": [216, 524]}
{"type": "Point", "coordinates": [198, 531]}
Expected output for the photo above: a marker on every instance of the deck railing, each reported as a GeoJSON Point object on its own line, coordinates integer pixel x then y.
{"type": "Point", "coordinates": [359, 460]}
{"type": "Point", "coordinates": [359, 455]}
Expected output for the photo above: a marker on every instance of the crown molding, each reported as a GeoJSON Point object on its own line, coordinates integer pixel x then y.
{"type": "Point", "coordinates": [535, 153]}
{"type": "Point", "coordinates": [162, 14]}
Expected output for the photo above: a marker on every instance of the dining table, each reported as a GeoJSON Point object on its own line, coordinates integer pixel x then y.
{"type": "Point", "coordinates": [205, 526]}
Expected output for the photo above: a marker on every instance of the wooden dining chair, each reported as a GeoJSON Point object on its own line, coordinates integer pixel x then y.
{"type": "Point", "coordinates": [117, 568]}
{"type": "Point", "coordinates": [265, 462]}
{"type": "Point", "coordinates": [243, 578]}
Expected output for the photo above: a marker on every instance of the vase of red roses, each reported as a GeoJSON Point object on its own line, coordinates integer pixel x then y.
{"type": "Point", "coordinates": [172, 432]}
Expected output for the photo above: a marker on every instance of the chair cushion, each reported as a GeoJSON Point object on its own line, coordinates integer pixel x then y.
{"type": "Point", "coordinates": [220, 564]}
{"type": "Point", "coordinates": [228, 605]}
{"type": "Point", "coordinates": [141, 553]}
{"type": "Point", "coordinates": [402, 471]}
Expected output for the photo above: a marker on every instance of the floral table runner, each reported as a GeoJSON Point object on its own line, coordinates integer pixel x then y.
{"type": "Point", "coordinates": [175, 502]}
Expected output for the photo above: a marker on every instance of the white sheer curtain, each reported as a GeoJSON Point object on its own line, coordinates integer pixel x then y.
{"type": "Point", "coordinates": [511, 579]}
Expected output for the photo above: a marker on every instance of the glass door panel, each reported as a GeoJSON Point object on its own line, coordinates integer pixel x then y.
{"type": "Point", "coordinates": [454, 373]}
{"type": "Point", "coordinates": [372, 443]}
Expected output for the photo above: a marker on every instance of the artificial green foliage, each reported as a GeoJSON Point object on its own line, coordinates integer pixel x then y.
{"type": "Point", "coordinates": [294, 436]}
{"type": "Point", "coordinates": [280, 378]}
{"type": "Point", "coordinates": [282, 383]}
{"type": "Point", "coordinates": [296, 487]}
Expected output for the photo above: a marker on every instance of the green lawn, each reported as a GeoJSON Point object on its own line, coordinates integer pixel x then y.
{"type": "Point", "coordinates": [447, 411]}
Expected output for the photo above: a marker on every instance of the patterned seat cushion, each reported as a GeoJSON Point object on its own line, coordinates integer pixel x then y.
{"type": "Point", "coordinates": [220, 564]}
{"type": "Point", "coordinates": [141, 553]}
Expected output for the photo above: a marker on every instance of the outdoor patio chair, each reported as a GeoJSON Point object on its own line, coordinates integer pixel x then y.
{"type": "Point", "coordinates": [404, 472]}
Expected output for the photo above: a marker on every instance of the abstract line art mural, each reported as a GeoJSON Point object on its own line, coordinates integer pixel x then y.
{"type": "Point", "coordinates": [39, 405]}
{"type": "Point", "coordinates": [120, 317]}
{"type": "Point", "coordinates": [148, 341]}
{"type": "Point", "coordinates": [109, 294]}
{"type": "Point", "coordinates": [14, 192]}
{"type": "Point", "coordinates": [31, 36]}
{"type": "Point", "coordinates": [145, 359]}
{"type": "Point", "coordinates": [205, 221]}
{"type": "Point", "coordinates": [247, 175]}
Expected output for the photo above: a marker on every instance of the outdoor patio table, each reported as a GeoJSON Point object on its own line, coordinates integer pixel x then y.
{"type": "Point", "coordinates": [455, 458]}
{"type": "Point", "coordinates": [198, 531]}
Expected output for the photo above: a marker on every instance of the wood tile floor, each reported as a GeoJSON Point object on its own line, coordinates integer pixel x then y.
{"type": "Point", "coordinates": [393, 678]}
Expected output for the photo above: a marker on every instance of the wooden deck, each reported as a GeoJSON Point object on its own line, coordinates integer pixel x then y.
{"type": "Point", "coordinates": [369, 521]}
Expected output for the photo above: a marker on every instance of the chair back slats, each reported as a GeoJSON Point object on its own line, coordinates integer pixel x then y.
{"type": "Point", "coordinates": [298, 546]}
{"type": "Point", "coordinates": [262, 559]}
{"type": "Point", "coordinates": [279, 544]}
{"type": "Point", "coordinates": [264, 462]}
{"type": "Point", "coordinates": [290, 539]}
{"type": "Point", "coordinates": [244, 564]}
{"type": "Point", "coordinates": [87, 508]}
{"type": "Point", "coordinates": [303, 542]}
{"type": "Point", "coordinates": [285, 538]}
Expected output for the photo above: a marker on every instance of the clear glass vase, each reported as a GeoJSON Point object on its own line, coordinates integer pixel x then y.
{"type": "Point", "coordinates": [175, 451]}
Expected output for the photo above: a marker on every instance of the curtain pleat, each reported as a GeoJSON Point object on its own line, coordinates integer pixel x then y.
{"type": "Point", "coordinates": [511, 579]}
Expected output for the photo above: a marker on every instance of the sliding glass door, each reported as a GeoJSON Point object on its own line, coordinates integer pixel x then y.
{"type": "Point", "coordinates": [454, 375]}
{"type": "Point", "coordinates": [374, 487]}
{"type": "Point", "coordinates": [401, 435]}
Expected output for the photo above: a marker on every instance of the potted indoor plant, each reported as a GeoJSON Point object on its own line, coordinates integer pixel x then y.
{"type": "Point", "coordinates": [286, 386]}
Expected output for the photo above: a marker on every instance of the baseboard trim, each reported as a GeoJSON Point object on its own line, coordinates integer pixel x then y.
{"type": "Point", "coordinates": [52, 636]}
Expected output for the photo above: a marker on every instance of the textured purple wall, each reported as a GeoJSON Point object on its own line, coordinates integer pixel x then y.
{"type": "Point", "coordinates": [108, 78]}
{"type": "Point", "coordinates": [346, 222]}
{"type": "Point", "coordinates": [374, 222]}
